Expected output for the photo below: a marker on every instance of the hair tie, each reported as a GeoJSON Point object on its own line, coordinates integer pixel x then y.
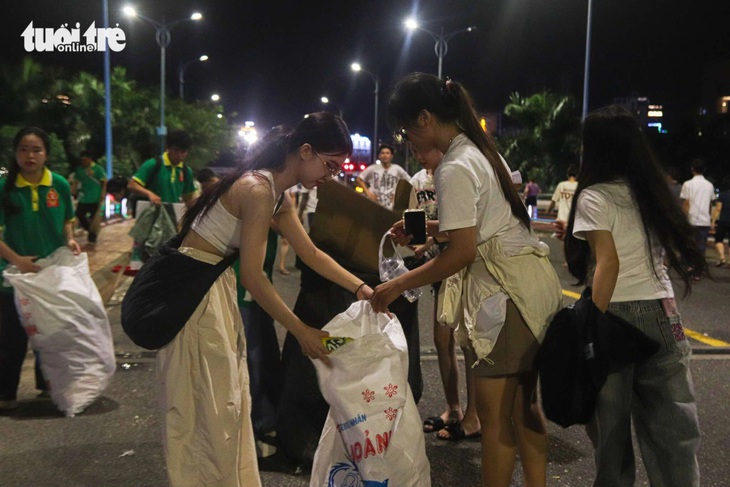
{"type": "Point", "coordinates": [446, 90]}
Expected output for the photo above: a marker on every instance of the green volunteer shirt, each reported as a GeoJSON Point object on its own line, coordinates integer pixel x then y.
{"type": "Point", "coordinates": [91, 180]}
{"type": "Point", "coordinates": [43, 209]}
{"type": "Point", "coordinates": [244, 297]}
{"type": "Point", "coordinates": [170, 183]}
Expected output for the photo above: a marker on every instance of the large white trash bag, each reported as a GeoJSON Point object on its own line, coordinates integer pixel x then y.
{"type": "Point", "coordinates": [373, 434]}
{"type": "Point", "coordinates": [64, 317]}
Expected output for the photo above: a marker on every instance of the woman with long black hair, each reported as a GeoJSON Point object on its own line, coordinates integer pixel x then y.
{"type": "Point", "coordinates": [202, 373]}
{"type": "Point", "coordinates": [624, 225]}
{"type": "Point", "coordinates": [510, 290]}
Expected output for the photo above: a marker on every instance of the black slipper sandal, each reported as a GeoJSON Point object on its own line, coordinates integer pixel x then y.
{"type": "Point", "coordinates": [456, 432]}
{"type": "Point", "coordinates": [433, 424]}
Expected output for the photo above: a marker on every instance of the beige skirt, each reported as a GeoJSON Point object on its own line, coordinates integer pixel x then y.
{"type": "Point", "coordinates": [515, 349]}
{"type": "Point", "coordinates": [204, 394]}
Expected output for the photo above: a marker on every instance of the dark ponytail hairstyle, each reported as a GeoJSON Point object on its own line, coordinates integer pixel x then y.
{"type": "Point", "coordinates": [614, 148]}
{"type": "Point", "coordinates": [325, 132]}
{"type": "Point", "coordinates": [14, 169]}
{"type": "Point", "coordinates": [451, 103]}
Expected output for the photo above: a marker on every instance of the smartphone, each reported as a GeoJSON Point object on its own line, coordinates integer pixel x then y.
{"type": "Point", "coordinates": [414, 223]}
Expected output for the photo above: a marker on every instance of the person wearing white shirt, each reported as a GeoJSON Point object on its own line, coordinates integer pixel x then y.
{"type": "Point", "coordinates": [697, 196]}
{"type": "Point", "coordinates": [379, 181]}
{"type": "Point", "coordinates": [624, 226]}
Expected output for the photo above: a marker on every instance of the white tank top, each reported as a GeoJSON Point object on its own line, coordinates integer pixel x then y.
{"type": "Point", "coordinates": [222, 229]}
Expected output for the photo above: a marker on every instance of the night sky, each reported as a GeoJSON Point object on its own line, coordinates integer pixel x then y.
{"type": "Point", "coordinates": [271, 61]}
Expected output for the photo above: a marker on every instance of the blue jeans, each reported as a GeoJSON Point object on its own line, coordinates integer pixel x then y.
{"type": "Point", "coordinates": [264, 367]}
{"type": "Point", "coordinates": [659, 395]}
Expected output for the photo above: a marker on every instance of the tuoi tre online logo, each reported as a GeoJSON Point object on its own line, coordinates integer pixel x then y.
{"type": "Point", "coordinates": [64, 39]}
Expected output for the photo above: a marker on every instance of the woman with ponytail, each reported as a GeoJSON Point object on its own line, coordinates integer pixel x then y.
{"type": "Point", "coordinates": [208, 436]}
{"type": "Point", "coordinates": [509, 288]}
{"type": "Point", "coordinates": [623, 226]}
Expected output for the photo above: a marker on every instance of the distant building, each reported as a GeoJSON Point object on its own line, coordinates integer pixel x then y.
{"type": "Point", "coordinates": [649, 115]}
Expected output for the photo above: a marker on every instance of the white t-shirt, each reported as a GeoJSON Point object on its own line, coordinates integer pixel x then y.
{"type": "Point", "coordinates": [384, 181]}
{"type": "Point", "coordinates": [563, 198]}
{"type": "Point", "coordinates": [425, 193]}
{"type": "Point", "coordinates": [470, 195]}
{"type": "Point", "coordinates": [611, 207]}
{"type": "Point", "coordinates": [700, 193]}
{"type": "Point", "coordinates": [311, 205]}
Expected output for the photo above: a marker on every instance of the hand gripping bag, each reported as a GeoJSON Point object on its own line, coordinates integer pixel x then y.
{"type": "Point", "coordinates": [372, 436]}
{"type": "Point", "coordinates": [66, 322]}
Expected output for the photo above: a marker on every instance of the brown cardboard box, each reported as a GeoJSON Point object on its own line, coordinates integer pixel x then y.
{"type": "Point", "coordinates": [349, 226]}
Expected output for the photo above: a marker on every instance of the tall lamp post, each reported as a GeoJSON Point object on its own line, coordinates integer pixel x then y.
{"type": "Point", "coordinates": [163, 40]}
{"type": "Point", "coordinates": [181, 73]}
{"type": "Point", "coordinates": [442, 40]}
{"type": "Point", "coordinates": [357, 68]}
{"type": "Point", "coordinates": [588, 59]}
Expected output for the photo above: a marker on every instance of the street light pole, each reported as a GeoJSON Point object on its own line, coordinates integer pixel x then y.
{"type": "Point", "coordinates": [442, 40]}
{"type": "Point", "coordinates": [162, 35]}
{"type": "Point", "coordinates": [374, 144]}
{"type": "Point", "coordinates": [588, 59]}
{"type": "Point", "coordinates": [181, 72]}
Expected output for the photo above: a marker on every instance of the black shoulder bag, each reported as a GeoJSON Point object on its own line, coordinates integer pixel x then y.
{"type": "Point", "coordinates": [165, 293]}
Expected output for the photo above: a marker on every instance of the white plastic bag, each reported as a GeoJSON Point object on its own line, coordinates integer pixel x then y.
{"type": "Point", "coordinates": [373, 434]}
{"type": "Point", "coordinates": [64, 317]}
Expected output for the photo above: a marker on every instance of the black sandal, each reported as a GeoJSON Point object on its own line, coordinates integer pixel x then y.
{"type": "Point", "coordinates": [433, 424]}
{"type": "Point", "coordinates": [456, 432]}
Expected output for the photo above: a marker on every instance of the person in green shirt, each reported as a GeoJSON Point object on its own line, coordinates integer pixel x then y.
{"type": "Point", "coordinates": [90, 185]}
{"type": "Point", "coordinates": [36, 213]}
{"type": "Point", "coordinates": [167, 179]}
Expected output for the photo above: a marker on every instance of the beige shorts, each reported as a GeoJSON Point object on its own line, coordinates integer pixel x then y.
{"type": "Point", "coordinates": [515, 349]}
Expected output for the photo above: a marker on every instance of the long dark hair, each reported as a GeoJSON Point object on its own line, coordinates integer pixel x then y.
{"type": "Point", "coordinates": [450, 102]}
{"type": "Point", "coordinates": [614, 148]}
{"type": "Point", "coordinates": [325, 132]}
{"type": "Point", "coordinates": [14, 169]}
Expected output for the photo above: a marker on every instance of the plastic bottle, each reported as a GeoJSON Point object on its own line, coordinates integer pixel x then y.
{"type": "Point", "coordinates": [390, 269]}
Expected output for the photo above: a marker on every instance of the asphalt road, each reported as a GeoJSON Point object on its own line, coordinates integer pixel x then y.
{"type": "Point", "coordinates": [116, 442]}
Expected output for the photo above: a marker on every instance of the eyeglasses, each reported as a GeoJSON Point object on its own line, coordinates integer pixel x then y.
{"type": "Point", "coordinates": [332, 167]}
{"type": "Point", "coordinates": [400, 135]}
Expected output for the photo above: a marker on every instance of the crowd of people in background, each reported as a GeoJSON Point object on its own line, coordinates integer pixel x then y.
{"type": "Point", "coordinates": [623, 218]}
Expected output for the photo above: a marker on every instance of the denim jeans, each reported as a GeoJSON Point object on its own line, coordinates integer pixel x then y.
{"type": "Point", "coordinates": [658, 394]}
{"type": "Point", "coordinates": [265, 370]}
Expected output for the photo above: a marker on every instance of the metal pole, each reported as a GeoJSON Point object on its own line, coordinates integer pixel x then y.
{"type": "Point", "coordinates": [588, 59]}
{"type": "Point", "coordinates": [108, 101]}
{"type": "Point", "coordinates": [181, 79]}
{"type": "Point", "coordinates": [375, 128]}
{"type": "Point", "coordinates": [162, 100]}
{"type": "Point", "coordinates": [440, 50]}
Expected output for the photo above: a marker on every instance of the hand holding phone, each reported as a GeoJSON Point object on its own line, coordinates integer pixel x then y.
{"type": "Point", "coordinates": [414, 223]}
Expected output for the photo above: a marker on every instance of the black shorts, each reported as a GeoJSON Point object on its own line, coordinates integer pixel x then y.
{"type": "Point", "coordinates": [722, 231]}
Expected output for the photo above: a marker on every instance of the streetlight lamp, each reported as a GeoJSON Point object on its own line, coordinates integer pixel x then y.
{"type": "Point", "coordinates": [588, 59]}
{"type": "Point", "coordinates": [442, 40]}
{"type": "Point", "coordinates": [215, 97]}
{"type": "Point", "coordinates": [162, 34]}
{"type": "Point", "coordinates": [327, 101]}
{"type": "Point", "coordinates": [181, 72]}
{"type": "Point", "coordinates": [357, 68]}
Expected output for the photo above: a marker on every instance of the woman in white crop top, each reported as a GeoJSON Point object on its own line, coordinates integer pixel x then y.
{"type": "Point", "coordinates": [204, 397]}
{"type": "Point", "coordinates": [624, 225]}
{"type": "Point", "coordinates": [486, 222]}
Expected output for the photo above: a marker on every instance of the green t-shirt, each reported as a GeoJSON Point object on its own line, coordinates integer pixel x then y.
{"type": "Point", "coordinates": [37, 227]}
{"type": "Point", "coordinates": [170, 183]}
{"type": "Point", "coordinates": [91, 180]}
{"type": "Point", "coordinates": [244, 298]}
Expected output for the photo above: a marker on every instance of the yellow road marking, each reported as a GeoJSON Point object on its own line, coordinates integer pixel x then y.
{"type": "Point", "coordinates": [713, 342]}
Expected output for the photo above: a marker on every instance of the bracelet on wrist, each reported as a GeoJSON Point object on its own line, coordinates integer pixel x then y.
{"type": "Point", "coordinates": [359, 287]}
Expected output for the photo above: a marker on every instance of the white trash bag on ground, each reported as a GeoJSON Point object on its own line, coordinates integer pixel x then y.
{"type": "Point", "coordinates": [66, 322]}
{"type": "Point", "coordinates": [373, 434]}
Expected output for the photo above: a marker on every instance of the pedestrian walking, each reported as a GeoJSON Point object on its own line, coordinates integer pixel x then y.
{"type": "Point", "coordinates": [626, 221]}
{"type": "Point", "coordinates": [563, 195]}
{"type": "Point", "coordinates": [90, 186]}
{"type": "Point", "coordinates": [697, 196]}
{"type": "Point", "coordinates": [203, 378]}
{"type": "Point", "coordinates": [720, 223]}
{"type": "Point", "coordinates": [489, 239]}
{"type": "Point", "coordinates": [532, 189]}
{"type": "Point", "coordinates": [37, 214]}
